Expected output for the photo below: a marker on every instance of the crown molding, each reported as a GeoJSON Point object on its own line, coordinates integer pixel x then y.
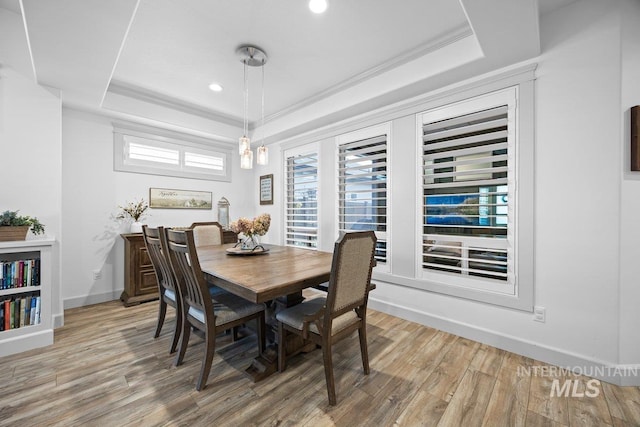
{"type": "Point", "coordinates": [145, 95]}
{"type": "Point", "coordinates": [406, 56]}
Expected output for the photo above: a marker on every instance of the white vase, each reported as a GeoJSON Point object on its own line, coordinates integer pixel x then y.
{"type": "Point", "coordinates": [135, 227]}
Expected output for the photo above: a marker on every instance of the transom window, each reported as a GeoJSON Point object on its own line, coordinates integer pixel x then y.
{"type": "Point", "coordinates": [168, 153]}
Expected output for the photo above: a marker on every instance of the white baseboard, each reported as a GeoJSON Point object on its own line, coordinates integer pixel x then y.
{"type": "Point", "coordinates": [81, 301]}
{"type": "Point", "coordinates": [58, 320]}
{"type": "Point", "coordinates": [26, 341]}
{"type": "Point", "coordinates": [624, 375]}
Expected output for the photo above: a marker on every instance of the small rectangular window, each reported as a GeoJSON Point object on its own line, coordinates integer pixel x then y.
{"type": "Point", "coordinates": [203, 161]}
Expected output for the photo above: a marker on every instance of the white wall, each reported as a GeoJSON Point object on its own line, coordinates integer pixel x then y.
{"type": "Point", "coordinates": [578, 211]}
{"type": "Point", "coordinates": [92, 192]}
{"type": "Point", "coordinates": [30, 171]}
{"type": "Point", "coordinates": [630, 191]}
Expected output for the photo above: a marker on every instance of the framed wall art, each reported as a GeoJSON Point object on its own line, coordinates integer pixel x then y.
{"type": "Point", "coordinates": [166, 198]}
{"type": "Point", "coordinates": [266, 189]}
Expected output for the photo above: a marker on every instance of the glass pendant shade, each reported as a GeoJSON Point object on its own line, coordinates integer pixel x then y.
{"type": "Point", "coordinates": [263, 155]}
{"type": "Point", "coordinates": [246, 159]}
{"type": "Point", "coordinates": [244, 144]}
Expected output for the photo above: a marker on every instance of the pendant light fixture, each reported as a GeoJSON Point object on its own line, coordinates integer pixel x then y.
{"type": "Point", "coordinates": [250, 56]}
{"type": "Point", "coordinates": [262, 152]}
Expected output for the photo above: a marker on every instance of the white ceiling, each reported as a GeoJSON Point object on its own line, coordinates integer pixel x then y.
{"type": "Point", "coordinates": [119, 55]}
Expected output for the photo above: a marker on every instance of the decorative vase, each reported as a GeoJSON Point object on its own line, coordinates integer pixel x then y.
{"type": "Point", "coordinates": [135, 227]}
{"type": "Point", "coordinates": [249, 242]}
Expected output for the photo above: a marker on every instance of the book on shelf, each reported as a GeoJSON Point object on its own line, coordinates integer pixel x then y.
{"type": "Point", "coordinates": [12, 315]}
{"type": "Point", "coordinates": [21, 312]}
{"type": "Point", "coordinates": [7, 314]}
{"type": "Point", "coordinates": [32, 312]}
{"type": "Point", "coordinates": [37, 317]}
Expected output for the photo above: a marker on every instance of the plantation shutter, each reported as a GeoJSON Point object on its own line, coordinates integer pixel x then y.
{"type": "Point", "coordinates": [302, 201]}
{"type": "Point", "coordinates": [466, 194]}
{"type": "Point", "coordinates": [362, 191]}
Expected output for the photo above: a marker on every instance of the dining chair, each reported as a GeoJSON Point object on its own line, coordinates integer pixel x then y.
{"type": "Point", "coordinates": [210, 234]}
{"type": "Point", "coordinates": [207, 233]}
{"type": "Point", "coordinates": [199, 309]}
{"type": "Point", "coordinates": [167, 290]}
{"type": "Point", "coordinates": [327, 320]}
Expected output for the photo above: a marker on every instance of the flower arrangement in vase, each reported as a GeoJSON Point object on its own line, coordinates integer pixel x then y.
{"type": "Point", "coordinates": [251, 228]}
{"type": "Point", "coordinates": [134, 211]}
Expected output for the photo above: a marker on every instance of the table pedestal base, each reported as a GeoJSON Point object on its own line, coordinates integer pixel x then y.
{"type": "Point", "coordinates": [263, 366]}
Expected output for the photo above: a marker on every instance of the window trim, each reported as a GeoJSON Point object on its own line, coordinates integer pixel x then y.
{"type": "Point", "coordinates": [360, 134]}
{"type": "Point", "coordinates": [174, 140]}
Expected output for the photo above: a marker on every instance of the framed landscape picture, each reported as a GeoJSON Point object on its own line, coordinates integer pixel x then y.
{"type": "Point", "coordinates": [266, 189]}
{"type": "Point", "coordinates": [166, 198]}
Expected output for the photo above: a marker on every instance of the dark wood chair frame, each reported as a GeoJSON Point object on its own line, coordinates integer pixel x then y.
{"type": "Point", "coordinates": [166, 281]}
{"type": "Point", "coordinates": [323, 318]}
{"type": "Point", "coordinates": [195, 293]}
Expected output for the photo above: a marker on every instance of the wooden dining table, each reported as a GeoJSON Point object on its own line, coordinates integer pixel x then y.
{"type": "Point", "coordinates": [275, 276]}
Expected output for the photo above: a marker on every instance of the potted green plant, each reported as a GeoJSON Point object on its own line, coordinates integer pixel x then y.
{"type": "Point", "coordinates": [15, 227]}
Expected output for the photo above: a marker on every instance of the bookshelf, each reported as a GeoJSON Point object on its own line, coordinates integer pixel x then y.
{"type": "Point", "coordinates": [37, 254]}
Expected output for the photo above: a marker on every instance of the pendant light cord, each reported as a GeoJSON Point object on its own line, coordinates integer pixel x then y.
{"type": "Point", "coordinates": [263, 102]}
{"type": "Point", "coordinates": [245, 124]}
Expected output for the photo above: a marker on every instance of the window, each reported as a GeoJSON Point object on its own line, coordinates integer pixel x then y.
{"type": "Point", "coordinates": [468, 175]}
{"type": "Point", "coordinates": [362, 184]}
{"type": "Point", "coordinates": [160, 152]}
{"type": "Point", "coordinates": [301, 210]}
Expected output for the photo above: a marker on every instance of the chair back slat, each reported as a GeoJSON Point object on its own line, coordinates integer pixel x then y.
{"type": "Point", "coordinates": [186, 267]}
{"type": "Point", "coordinates": [207, 233]}
{"type": "Point", "coordinates": [353, 261]}
{"type": "Point", "coordinates": [159, 260]}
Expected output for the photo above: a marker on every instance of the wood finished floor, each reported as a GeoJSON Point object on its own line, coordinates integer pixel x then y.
{"type": "Point", "coordinates": [106, 369]}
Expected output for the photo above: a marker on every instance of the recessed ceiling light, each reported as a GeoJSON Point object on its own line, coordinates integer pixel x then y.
{"type": "Point", "coordinates": [215, 87]}
{"type": "Point", "coordinates": [318, 6]}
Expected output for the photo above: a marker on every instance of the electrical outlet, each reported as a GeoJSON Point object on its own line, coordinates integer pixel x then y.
{"type": "Point", "coordinates": [539, 314]}
{"type": "Point", "coordinates": [97, 274]}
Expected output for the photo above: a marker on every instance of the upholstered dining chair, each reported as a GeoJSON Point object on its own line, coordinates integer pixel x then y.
{"type": "Point", "coordinates": [327, 320]}
{"type": "Point", "coordinates": [207, 233]}
{"type": "Point", "coordinates": [210, 234]}
{"type": "Point", "coordinates": [167, 290]}
{"type": "Point", "coordinates": [199, 309]}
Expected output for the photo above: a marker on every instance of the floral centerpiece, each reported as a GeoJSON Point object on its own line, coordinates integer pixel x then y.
{"type": "Point", "coordinates": [251, 228]}
{"type": "Point", "coordinates": [134, 211]}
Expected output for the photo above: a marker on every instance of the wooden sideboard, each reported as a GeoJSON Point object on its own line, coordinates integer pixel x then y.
{"type": "Point", "coordinates": [140, 283]}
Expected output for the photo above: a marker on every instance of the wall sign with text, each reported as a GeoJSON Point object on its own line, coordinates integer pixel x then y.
{"type": "Point", "coordinates": [266, 189]}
